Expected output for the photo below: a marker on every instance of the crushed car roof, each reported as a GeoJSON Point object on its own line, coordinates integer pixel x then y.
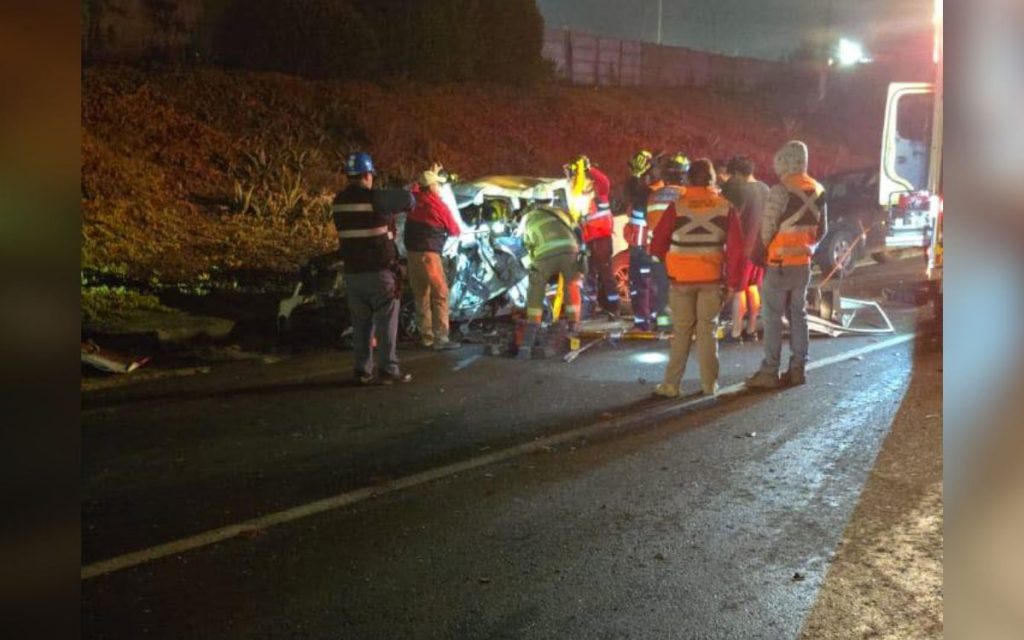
{"type": "Point", "coordinates": [509, 186]}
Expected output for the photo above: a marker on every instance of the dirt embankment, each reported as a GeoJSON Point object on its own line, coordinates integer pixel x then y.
{"type": "Point", "coordinates": [203, 172]}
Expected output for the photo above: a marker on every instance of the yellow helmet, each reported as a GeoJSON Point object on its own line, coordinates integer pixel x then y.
{"type": "Point", "coordinates": [640, 163]}
{"type": "Point", "coordinates": [678, 162]}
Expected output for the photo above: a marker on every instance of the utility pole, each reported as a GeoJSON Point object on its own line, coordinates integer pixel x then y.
{"type": "Point", "coordinates": [659, 21]}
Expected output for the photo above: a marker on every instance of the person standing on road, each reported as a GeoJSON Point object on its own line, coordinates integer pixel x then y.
{"type": "Point", "coordinates": [553, 241]}
{"type": "Point", "coordinates": [794, 221]}
{"type": "Point", "coordinates": [641, 183]}
{"type": "Point", "coordinates": [690, 239]}
{"type": "Point", "coordinates": [665, 194]}
{"type": "Point", "coordinates": [365, 220]}
{"type": "Point", "coordinates": [428, 227]}
{"type": "Point", "coordinates": [598, 228]}
{"type": "Point", "coordinates": [747, 195]}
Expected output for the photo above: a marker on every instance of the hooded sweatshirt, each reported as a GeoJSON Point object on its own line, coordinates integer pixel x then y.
{"type": "Point", "coordinates": [790, 164]}
{"type": "Point", "coordinates": [429, 223]}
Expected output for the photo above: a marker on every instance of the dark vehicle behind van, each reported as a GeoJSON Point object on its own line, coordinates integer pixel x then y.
{"type": "Point", "coordinates": [853, 210]}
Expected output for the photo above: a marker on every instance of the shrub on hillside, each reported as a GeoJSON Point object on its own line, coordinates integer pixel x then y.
{"type": "Point", "coordinates": [312, 38]}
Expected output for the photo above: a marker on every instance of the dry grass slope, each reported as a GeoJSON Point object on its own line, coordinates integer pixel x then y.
{"type": "Point", "coordinates": [205, 171]}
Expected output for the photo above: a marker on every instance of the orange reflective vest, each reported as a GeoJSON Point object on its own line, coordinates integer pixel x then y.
{"type": "Point", "coordinates": [797, 236]}
{"type": "Point", "coordinates": [658, 202]}
{"type": "Point", "coordinates": [697, 253]}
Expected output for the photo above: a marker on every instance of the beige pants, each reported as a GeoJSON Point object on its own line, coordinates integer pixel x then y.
{"type": "Point", "coordinates": [695, 308]}
{"type": "Point", "coordinates": [430, 292]}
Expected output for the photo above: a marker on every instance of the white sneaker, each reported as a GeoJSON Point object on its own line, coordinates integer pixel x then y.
{"type": "Point", "coordinates": [666, 391]}
{"type": "Point", "coordinates": [446, 345]}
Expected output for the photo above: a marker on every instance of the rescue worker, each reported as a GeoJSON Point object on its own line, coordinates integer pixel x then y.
{"type": "Point", "coordinates": [365, 219]}
{"type": "Point", "coordinates": [690, 239]}
{"type": "Point", "coordinates": [641, 183]}
{"type": "Point", "coordinates": [794, 221]}
{"type": "Point", "coordinates": [553, 240]}
{"type": "Point", "coordinates": [671, 189]}
{"type": "Point", "coordinates": [598, 227]}
{"type": "Point", "coordinates": [747, 195]}
{"type": "Point", "coordinates": [427, 228]}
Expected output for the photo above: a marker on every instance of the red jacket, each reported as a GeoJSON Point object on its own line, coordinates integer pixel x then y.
{"type": "Point", "coordinates": [429, 223]}
{"type": "Point", "coordinates": [599, 223]}
{"type": "Point", "coordinates": [736, 262]}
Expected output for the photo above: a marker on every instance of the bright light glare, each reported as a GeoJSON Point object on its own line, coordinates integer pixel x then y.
{"type": "Point", "coordinates": [651, 357]}
{"type": "Point", "coordinates": [849, 52]}
{"type": "Point", "coordinates": [498, 227]}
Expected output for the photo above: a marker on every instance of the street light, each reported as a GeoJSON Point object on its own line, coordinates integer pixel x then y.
{"type": "Point", "coordinates": [850, 53]}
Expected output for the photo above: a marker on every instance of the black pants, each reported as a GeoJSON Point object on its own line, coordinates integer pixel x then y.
{"type": "Point", "coordinates": [601, 271]}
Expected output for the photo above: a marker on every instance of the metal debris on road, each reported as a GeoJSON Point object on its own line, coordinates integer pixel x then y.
{"type": "Point", "coordinates": [105, 360]}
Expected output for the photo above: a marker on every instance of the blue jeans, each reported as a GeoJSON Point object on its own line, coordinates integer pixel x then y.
{"type": "Point", "coordinates": [640, 285]}
{"type": "Point", "coordinates": [785, 290]}
{"type": "Point", "coordinates": [374, 310]}
{"type": "Point", "coordinates": [659, 290]}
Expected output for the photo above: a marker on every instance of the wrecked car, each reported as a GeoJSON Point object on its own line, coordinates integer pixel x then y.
{"type": "Point", "coordinates": [484, 265]}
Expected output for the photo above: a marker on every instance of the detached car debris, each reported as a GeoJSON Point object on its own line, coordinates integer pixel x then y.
{"type": "Point", "coordinates": [94, 356]}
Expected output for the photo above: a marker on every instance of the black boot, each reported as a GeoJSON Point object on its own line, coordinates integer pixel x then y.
{"type": "Point", "coordinates": [529, 338]}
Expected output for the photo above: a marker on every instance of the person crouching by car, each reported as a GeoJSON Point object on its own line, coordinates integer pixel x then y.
{"type": "Point", "coordinates": [690, 240]}
{"type": "Point", "coordinates": [554, 242]}
{"type": "Point", "coordinates": [428, 226]}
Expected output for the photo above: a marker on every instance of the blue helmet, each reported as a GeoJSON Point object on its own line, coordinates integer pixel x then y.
{"type": "Point", "coordinates": [358, 163]}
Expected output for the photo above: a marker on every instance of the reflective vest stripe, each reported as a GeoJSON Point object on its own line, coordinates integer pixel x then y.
{"type": "Point", "coordinates": [352, 207]}
{"type": "Point", "coordinates": [362, 233]}
{"type": "Point", "coordinates": [696, 253]}
{"type": "Point", "coordinates": [691, 251]}
{"type": "Point", "coordinates": [794, 242]}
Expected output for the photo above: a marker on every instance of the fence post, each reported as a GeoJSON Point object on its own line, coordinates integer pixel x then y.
{"type": "Point", "coordinates": [568, 57]}
{"type": "Point", "coordinates": [619, 81]}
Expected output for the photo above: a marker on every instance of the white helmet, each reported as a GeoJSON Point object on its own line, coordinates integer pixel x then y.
{"type": "Point", "coordinates": [543, 192]}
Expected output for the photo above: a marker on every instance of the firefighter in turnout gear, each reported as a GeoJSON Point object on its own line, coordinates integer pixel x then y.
{"type": "Point", "coordinates": [554, 241]}
{"type": "Point", "coordinates": [671, 189]}
{"type": "Point", "coordinates": [641, 183]}
{"type": "Point", "coordinates": [598, 227]}
{"type": "Point", "coordinates": [690, 241]}
{"type": "Point", "coordinates": [365, 220]}
{"type": "Point", "coordinates": [794, 221]}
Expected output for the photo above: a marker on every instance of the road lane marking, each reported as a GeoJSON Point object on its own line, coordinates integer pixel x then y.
{"type": "Point", "coordinates": [465, 362]}
{"type": "Point", "coordinates": [657, 412]}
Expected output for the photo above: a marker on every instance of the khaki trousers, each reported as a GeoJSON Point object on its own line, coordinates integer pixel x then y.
{"type": "Point", "coordinates": [430, 292]}
{"type": "Point", "coordinates": [695, 308]}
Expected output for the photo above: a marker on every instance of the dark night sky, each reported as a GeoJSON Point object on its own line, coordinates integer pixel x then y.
{"type": "Point", "coordinates": [759, 28]}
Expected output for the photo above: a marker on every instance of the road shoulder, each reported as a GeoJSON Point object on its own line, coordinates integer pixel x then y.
{"type": "Point", "coordinates": [886, 580]}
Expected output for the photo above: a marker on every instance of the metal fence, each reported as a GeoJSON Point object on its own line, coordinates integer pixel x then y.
{"type": "Point", "coordinates": [587, 59]}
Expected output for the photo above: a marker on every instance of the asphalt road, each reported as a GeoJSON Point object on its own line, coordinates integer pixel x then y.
{"type": "Point", "coordinates": [718, 522]}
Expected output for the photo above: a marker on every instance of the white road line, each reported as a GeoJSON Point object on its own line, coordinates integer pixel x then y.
{"type": "Point", "coordinates": [465, 362]}
{"type": "Point", "coordinates": [214, 536]}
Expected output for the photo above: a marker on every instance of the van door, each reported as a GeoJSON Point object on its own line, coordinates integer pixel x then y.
{"type": "Point", "coordinates": [906, 162]}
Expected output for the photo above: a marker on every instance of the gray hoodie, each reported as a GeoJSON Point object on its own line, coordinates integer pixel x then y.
{"type": "Point", "coordinates": [790, 159]}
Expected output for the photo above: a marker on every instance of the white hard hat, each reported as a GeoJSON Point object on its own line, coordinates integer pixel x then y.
{"type": "Point", "coordinates": [543, 192]}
